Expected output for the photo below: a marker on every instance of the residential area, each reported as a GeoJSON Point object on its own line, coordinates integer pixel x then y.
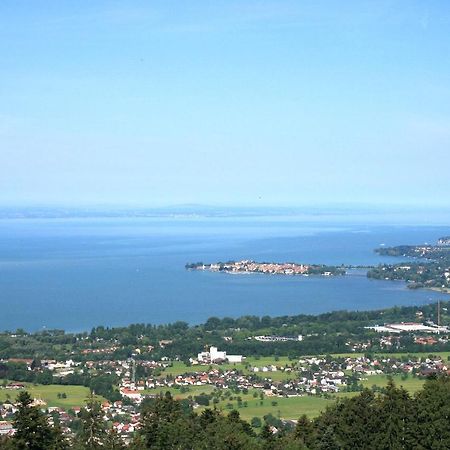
{"type": "Point", "coordinates": [211, 380]}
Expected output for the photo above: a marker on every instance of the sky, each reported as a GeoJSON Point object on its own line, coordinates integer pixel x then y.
{"type": "Point", "coordinates": [233, 102]}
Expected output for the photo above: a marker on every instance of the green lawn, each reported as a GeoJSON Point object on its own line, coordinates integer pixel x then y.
{"type": "Point", "coordinates": [269, 360]}
{"type": "Point", "coordinates": [176, 393]}
{"type": "Point", "coordinates": [76, 395]}
{"type": "Point", "coordinates": [278, 375]}
{"type": "Point", "coordinates": [411, 384]}
{"type": "Point", "coordinates": [286, 408]}
{"type": "Point", "coordinates": [179, 368]}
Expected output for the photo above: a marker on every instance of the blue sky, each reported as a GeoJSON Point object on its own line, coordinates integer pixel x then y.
{"type": "Point", "coordinates": [224, 102]}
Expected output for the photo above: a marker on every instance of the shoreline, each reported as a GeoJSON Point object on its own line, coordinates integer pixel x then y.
{"type": "Point", "coordinates": [436, 289]}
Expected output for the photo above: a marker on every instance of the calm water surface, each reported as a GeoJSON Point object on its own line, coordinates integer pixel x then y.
{"type": "Point", "coordinates": [78, 273]}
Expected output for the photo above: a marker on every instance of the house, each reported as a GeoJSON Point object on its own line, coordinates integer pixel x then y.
{"type": "Point", "coordinates": [6, 428]}
{"type": "Point", "coordinates": [132, 394]}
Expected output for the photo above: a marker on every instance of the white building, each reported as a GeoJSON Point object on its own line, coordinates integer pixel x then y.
{"type": "Point", "coordinates": [408, 327]}
{"type": "Point", "coordinates": [214, 355]}
{"type": "Point", "coordinates": [132, 394]}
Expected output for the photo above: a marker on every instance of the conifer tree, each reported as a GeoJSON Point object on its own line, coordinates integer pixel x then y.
{"type": "Point", "coordinates": [304, 431]}
{"type": "Point", "coordinates": [113, 441]}
{"type": "Point", "coordinates": [165, 425]}
{"type": "Point", "coordinates": [33, 431]}
{"type": "Point", "coordinates": [394, 419]}
{"type": "Point", "coordinates": [93, 430]}
{"type": "Point", "coordinates": [432, 414]}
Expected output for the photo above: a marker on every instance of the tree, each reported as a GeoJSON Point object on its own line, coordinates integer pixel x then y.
{"type": "Point", "coordinates": [256, 422]}
{"type": "Point", "coordinates": [7, 443]}
{"type": "Point", "coordinates": [432, 411]}
{"type": "Point", "coordinates": [226, 434]}
{"type": "Point", "coordinates": [92, 433]}
{"type": "Point", "coordinates": [266, 432]}
{"type": "Point", "coordinates": [355, 421]}
{"type": "Point", "coordinates": [166, 424]}
{"type": "Point", "coordinates": [60, 442]}
{"type": "Point", "coordinates": [394, 419]}
{"type": "Point", "coordinates": [304, 431]}
{"type": "Point", "coordinates": [113, 441]}
{"type": "Point", "coordinates": [208, 416]}
{"type": "Point", "coordinates": [327, 440]}
{"type": "Point", "coordinates": [33, 431]}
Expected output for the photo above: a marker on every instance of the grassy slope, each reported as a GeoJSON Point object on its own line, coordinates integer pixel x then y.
{"type": "Point", "coordinates": [76, 395]}
{"type": "Point", "coordinates": [412, 385]}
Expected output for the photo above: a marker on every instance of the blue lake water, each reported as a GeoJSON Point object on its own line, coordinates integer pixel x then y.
{"type": "Point", "coordinates": [78, 273]}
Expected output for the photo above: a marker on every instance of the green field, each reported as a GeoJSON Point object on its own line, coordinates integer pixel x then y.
{"type": "Point", "coordinates": [76, 395]}
{"type": "Point", "coordinates": [286, 408]}
{"type": "Point", "coordinates": [178, 394]}
{"type": "Point", "coordinates": [411, 384]}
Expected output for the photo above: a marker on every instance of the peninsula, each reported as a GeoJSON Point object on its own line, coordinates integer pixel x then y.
{"type": "Point", "coordinates": [270, 268]}
{"type": "Point", "coordinates": [439, 251]}
{"type": "Point", "coordinates": [428, 266]}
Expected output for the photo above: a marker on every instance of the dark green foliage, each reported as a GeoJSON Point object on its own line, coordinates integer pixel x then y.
{"type": "Point", "coordinates": [32, 429]}
{"type": "Point", "coordinates": [6, 443]}
{"type": "Point", "coordinates": [432, 415]}
{"type": "Point", "coordinates": [304, 432]}
{"type": "Point", "coordinates": [256, 422]}
{"type": "Point", "coordinates": [394, 419]}
{"type": "Point", "coordinates": [113, 441]}
{"type": "Point", "coordinates": [165, 425]}
{"type": "Point", "coordinates": [202, 399]}
{"type": "Point", "coordinates": [103, 385]}
{"type": "Point", "coordinates": [92, 432]}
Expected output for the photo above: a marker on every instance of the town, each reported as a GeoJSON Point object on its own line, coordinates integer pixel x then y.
{"type": "Point", "coordinates": [255, 386]}
{"type": "Point", "coordinates": [249, 266]}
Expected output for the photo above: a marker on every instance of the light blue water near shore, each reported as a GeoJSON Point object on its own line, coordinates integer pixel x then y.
{"type": "Point", "coordinates": [78, 273]}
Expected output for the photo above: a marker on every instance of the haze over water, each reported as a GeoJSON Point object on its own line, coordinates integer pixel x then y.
{"type": "Point", "coordinates": [76, 273]}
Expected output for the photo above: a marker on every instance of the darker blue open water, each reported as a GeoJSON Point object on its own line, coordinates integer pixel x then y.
{"type": "Point", "coordinates": [78, 273]}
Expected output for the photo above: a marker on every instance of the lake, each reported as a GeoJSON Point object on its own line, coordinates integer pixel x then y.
{"type": "Point", "coordinates": [74, 274]}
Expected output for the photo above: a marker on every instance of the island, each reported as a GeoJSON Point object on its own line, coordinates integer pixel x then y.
{"type": "Point", "coordinates": [428, 265]}
{"type": "Point", "coordinates": [270, 268]}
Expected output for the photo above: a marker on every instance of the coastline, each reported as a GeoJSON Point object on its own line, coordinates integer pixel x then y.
{"type": "Point", "coordinates": [436, 289]}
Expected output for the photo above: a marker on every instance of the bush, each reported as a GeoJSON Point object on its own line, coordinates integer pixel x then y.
{"type": "Point", "coordinates": [256, 422]}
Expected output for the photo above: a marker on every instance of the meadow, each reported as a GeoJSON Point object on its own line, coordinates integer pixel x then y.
{"type": "Point", "coordinates": [75, 395]}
